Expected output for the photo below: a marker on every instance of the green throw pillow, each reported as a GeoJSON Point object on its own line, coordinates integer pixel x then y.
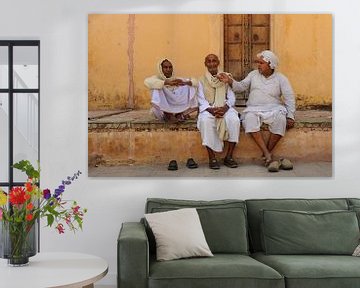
{"type": "Point", "coordinates": [300, 232]}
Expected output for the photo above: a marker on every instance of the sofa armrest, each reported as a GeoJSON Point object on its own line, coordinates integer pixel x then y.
{"type": "Point", "coordinates": [133, 256]}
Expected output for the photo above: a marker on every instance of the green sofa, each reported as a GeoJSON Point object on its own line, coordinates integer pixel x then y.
{"type": "Point", "coordinates": [277, 243]}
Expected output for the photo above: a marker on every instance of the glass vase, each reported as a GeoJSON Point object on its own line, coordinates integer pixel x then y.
{"type": "Point", "coordinates": [18, 242]}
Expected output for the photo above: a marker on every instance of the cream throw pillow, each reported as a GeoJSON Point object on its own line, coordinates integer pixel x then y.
{"type": "Point", "coordinates": [178, 234]}
{"type": "Point", "coordinates": [357, 251]}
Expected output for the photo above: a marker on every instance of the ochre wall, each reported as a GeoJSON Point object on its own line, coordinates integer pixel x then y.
{"type": "Point", "coordinates": [107, 61]}
{"type": "Point", "coordinates": [184, 39]}
{"type": "Point", "coordinates": [124, 49]}
{"type": "Point", "coordinates": [303, 43]}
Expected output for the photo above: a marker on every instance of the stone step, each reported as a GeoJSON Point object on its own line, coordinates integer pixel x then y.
{"type": "Point", "coordinates": [134, 137]}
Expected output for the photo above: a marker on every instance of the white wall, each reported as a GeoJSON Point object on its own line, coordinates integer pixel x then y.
{"type": "Point", "coordinates": [62, 28]}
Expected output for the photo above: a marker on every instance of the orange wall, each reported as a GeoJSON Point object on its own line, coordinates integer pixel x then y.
{"type": "Point", "coordinates": [124, 49]}
{"type": "Point", "coordinates": [116, 43]}
{"type": "Point", "coordinates": [107, 62]}
{"type": "Point", "coordinates": [304, 46]}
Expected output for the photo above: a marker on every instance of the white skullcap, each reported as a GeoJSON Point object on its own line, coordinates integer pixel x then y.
{"type": "Point", "coordinates": [269, 57]}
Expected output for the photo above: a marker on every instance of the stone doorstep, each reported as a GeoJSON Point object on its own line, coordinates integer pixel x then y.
{"type": "Point", "coordinates": [144, 140]}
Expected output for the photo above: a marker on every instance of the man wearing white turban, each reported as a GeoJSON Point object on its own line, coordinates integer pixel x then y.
{"type": "Point", "coordinates": [218, 121]}
{"type": "Point", "coordinates": [171, 96]}
{"type": "Point", "coordinates": [271, 101]}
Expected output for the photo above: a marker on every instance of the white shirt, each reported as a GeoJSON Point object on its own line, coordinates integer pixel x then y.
{"type": "Point", "coordinates": [267, 93]}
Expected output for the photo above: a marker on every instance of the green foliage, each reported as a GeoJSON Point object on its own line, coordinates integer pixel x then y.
{"type": "Point", "coordinates": [28, 168]}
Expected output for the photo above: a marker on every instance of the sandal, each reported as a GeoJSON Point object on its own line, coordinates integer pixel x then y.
{"type": "Point", "coordinates": [214, 164]}
{"type": "Point", "coordinates": [286, 164]}
{"type": "Point", "coordinates": [173, 165]}
{"type": "Point", "coordinates": [230, 162]}
{"type": "Point", "coordinates": [191, 164]}
{"type": "Point", "coordinates": [274, 166]}
{"type": "Point", "coordinates": [180, 117]}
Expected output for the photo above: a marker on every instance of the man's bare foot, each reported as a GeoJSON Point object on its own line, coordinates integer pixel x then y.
{"type": "Point", "coordinates": [267, 159]}
{"type": "Point", "coordinates": [180, 117]}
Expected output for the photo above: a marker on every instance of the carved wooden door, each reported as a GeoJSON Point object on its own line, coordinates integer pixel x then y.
{"type": "Point", "coordinates": [245, 35]}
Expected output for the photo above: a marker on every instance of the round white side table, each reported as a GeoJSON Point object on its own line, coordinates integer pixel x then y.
{"type": "Point", "coordinates": [50, 270]}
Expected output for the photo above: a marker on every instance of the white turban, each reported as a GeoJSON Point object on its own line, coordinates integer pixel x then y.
{"type": "Point", "coordinates": [269, 57]}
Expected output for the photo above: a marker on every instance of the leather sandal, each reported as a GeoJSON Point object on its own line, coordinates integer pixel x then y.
{"type": "Point", "coordinates": [173, 165]}
{"type": "Point", "coordinates": [191, 164]}
{"type": "Point", "coordinates": [286, 164]}
{"type": "Point", "coordinates": [214, 164]}
{"type": "Point", "coordinates": [230, 162]}
{"type": "Point", "coordinates": [274, 166]}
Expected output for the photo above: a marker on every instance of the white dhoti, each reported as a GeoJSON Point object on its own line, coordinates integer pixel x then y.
{"type": "Point", "coordinates": [276, 120]}
{"type": "Point", "coordinates": [207, 125]}
{"type": "Point", "coordinates": [173, 100]}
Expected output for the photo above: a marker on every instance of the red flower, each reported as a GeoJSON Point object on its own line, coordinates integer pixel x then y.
{"type": "Point", "coordinates": [75, 209]}
{"type": "Point", "coordinates": [29, 217]}
{"type": "Point", "coordinates": [68, 219]}
{"type": "Point", "coordinates": [27, 196]}
{"type": "Point", "coordinates": [28, 186]}
{"type": "Point", "coordinates": [29, 206]}
{"type": "Point", "coordinates": [17, 196]}
{"type": "Point", "coordinates": [60, 228]}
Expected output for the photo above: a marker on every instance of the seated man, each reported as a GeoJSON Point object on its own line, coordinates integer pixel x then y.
{"type": "Point", "coordinates": [271, 101]}
{"type": "Point", "coordinates": [218, 121]}
{"type": "Point", "coordinates": [170, 96]}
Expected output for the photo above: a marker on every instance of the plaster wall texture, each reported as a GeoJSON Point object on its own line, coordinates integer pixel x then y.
{"type": "Point", "coordinates": [159, 147]}
{"type": "Point", "coordinates": [303, 43]}
{"type": "Point", "coordinates": [62, 27]}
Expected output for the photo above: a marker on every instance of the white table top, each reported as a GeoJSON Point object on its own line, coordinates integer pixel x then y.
{"type": "Point", "coordinates": [54, 270]}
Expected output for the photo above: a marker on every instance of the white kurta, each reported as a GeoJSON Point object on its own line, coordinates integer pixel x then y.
{"type": "Point", "coordinates": [170, 99]}
{"type": "Point", "coordinates": [207, 125]}
{"type": "Point", "coordinates": [267, 94]}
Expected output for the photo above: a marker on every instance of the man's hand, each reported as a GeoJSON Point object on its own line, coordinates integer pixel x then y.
{"type": "Point", "coordinates": [211, 110]}
{"type": "Point", "coordinates": [289, 123]}
{"type": "Point", "coordinates": [187, 82]}
{"type": "Point", "coordinates": [174, 82]}
{"type": "Point", "coordinates": [220, 111]}
{"type": "Point", "coordinates": [224, 77]}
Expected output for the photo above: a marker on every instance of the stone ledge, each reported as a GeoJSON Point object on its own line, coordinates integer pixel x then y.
{"type": "Point", "coordinates": [141, 120]}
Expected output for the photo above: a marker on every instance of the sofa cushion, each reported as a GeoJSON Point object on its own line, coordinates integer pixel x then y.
{"type": "Point", "coordinates": [178, 234]}
{"type": "Point", "coordinates": [254, 217]}
{"type": "Point", "coordinates": [222, 270]}
{"type": "Point", "coordinates": [313, 271]}
{"type": "Point", "coordinates": [356, 209]}
{"type": "Point", "coordinates": [223, 221]}
{"type": "Point", "coordinates": [353, 201]}
{"type": "Point", "coordinates": [298, 232]}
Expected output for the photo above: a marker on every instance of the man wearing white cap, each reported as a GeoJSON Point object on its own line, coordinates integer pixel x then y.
{"type": "Point", "coordinates": [271, 101]}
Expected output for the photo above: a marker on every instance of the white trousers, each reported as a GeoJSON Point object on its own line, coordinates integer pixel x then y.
{"type": "Point", "coordinates": [207, 125]}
